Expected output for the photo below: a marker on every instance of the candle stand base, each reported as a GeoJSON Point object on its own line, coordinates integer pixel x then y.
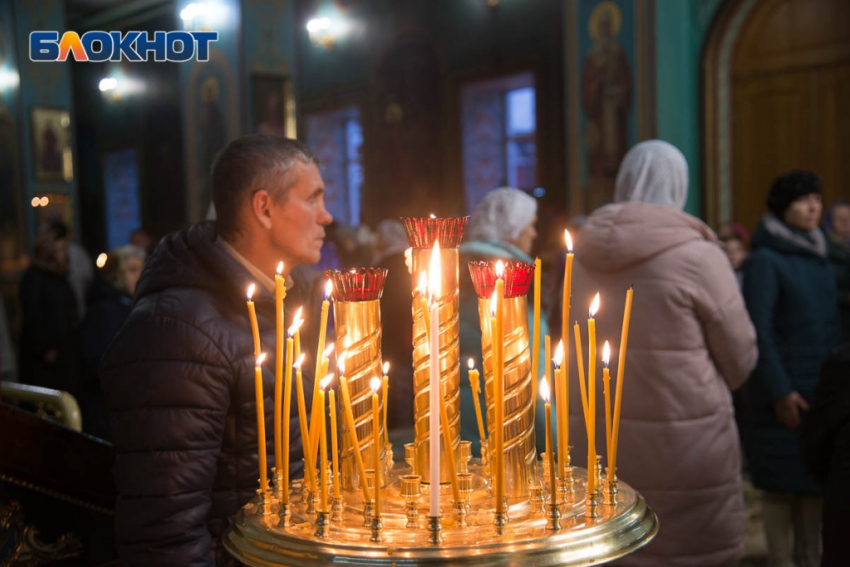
{"type": "Point", "coordinates": [611, 491]}
{"type": "Point", "coordinates": [259, 540]}
{"type": "Point", "coordinates": [460, 514]}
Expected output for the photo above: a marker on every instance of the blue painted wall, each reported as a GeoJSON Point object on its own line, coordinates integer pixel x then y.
{"type": "Point", "coordinates": [42, 84]}
{"type": "Point", "coordinates": [680, 31]}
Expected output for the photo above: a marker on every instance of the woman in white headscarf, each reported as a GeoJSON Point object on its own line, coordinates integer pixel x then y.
{"type": "Point", "coordinates": [502, 227]}
{"type": "Point", "coordinates": [690, 342]}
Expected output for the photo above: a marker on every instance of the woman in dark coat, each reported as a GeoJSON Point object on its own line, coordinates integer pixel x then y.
{"type": "Point", "coordinates": [790, 295]}
{"type": "Point", "coordinates": [110, 299]}
{"type": "Point", "coordinates": [826, 443]}
{"type": "Point", "coordinates": [836, 224]}
{"type": "Point", "coordinates": [48, 349]}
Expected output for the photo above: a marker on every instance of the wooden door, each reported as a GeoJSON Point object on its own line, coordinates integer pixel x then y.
{"type": "Point", "coordinates": [791, 100]}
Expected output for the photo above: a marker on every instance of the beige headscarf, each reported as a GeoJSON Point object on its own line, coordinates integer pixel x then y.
{"type": "Point", "coordinates": [653, 172]}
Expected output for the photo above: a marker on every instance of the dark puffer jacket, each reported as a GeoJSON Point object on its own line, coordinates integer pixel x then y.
{"type": "Point", "coordinates": [790, 295]}
{"type": "Point", "coordinates": [179, 381]}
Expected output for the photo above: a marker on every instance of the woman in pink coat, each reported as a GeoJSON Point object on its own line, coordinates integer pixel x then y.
{"type": "Point", "coordinates": [690, 343]}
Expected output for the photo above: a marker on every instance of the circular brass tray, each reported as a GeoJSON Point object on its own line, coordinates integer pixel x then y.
{"type": "Point", "coordinates": [257, 540]}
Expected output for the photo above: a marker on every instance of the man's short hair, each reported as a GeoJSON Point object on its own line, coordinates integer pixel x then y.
{"type": "Point", "coordinates": [250, 164]}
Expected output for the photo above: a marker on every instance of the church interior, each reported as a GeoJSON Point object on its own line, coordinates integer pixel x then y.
{"type": "Point", "coordinates": [413, 107]}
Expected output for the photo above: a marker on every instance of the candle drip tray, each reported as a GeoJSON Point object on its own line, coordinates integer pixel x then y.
{"type": "Point", "coordinates": [259, 540]}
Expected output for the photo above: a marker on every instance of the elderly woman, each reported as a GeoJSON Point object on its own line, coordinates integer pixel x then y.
{"type": "Point", "coordinates": [790, 294]}
{"type": "Point", "coordinates": [110, 300]}
{"type": "Point", "coordinates": [836, 224]}
{"type": "Point", "coordinates": [690, 342]}
{"type": "Point", "coordinates": [49, 312]}
{"type": "Point", "coordinates": [502, 227]}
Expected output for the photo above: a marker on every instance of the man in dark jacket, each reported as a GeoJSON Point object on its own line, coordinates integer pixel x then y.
{"type": "Point", "coordinates": [179, 377]}
{"type": "Point", "coordinates": [825, 437]}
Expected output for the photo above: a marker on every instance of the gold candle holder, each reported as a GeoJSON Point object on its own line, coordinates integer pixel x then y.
{"type": "Point", "coordinates": [376, 527]}
{"type": "Point", "coordinates": [435, 530]}
{"type": "Point", "coordinates": [410, 456]}
{"type": "Point", "coordinates": [264, 501]}
{"type": "Point", "coordinates": [464, 481]}
{"type": "Point", "coordinates": [421, 234]}
{"type": "Point", "coordinates": [410, 492]}
{"type": "Point", "coordinates": [369, 507]}
{"type": "Point", "coordinates": [357, 322]}
{"type": "Point", "coordinates": [464, 456]}
{"type": "Point", "coordinates": [553, 516]}
{"type": "Point", "coordinates": [593, 505]}
{"type": "Point", "coordinates": [337, 508]}
{"type": "Point", "coordinates": [323, 525]}
{"type": "Point", "coordinates": [611, 489]}
{"type": "Point", "coordinates": [520, 452]}
{"type": "Point", "coordinates": [538, 499]}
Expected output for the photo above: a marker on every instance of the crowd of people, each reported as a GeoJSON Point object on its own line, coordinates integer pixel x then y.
{"type": "Point", "coordinates": [162, 359]}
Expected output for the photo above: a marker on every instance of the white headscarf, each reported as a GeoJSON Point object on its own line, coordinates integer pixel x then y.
{"type": "Point", "coordinates": [502, 215]}
{"type": "Point", "coordinates": [653, 172]}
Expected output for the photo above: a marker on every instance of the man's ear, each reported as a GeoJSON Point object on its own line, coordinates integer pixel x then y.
{"type": "Point", "coordinates": [261, 207]}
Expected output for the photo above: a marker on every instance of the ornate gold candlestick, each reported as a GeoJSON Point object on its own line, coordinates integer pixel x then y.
{"type": "Point", "coordinates": [357, 320]}
{"type": "Point", "coordinates": [421, 234]}
{"type": "Point", "coordinates": [519, 436]}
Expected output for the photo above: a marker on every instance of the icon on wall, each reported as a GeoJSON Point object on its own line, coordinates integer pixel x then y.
{"type": "Point", "coordinates": [273, 105]}
{"type": "Point", "coordinates": [51, 141]}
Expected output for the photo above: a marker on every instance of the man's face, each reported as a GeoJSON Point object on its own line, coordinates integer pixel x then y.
{"type": "Point", "coordinates": [298, 220]}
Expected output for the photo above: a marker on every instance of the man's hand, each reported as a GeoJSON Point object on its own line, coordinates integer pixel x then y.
{"type": "Point", "coordinates": [788, 409]}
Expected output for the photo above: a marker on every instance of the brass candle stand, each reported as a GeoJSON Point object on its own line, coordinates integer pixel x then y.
{"type": "Point", "coordinates": [258, 539]}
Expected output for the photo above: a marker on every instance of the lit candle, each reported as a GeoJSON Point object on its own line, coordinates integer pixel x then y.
{"type": "Point", "coordinates": [544, 393]}
{"type": "Point", "coordinates": [621, 368]}
{"type": "Point", "coordinates": [535, 352]}
{"type": "Point", "coordinates": [327, 359]}
{"type": "Point", "coordinates": [352, 430]}
{"type": "Point", "coordinates": [591, 393]}
{"type": "Point", "coordinates": [606, 390]}
{"type": "Point", "coordinates": [334, 443]}
{"type": "Point", "coordinates": [320, 353]}
{"type": "Point", "coordinates": [323, 447]}
{"type": "Point", "coordinates": [562, 416]}
{"type": "Point", "coordinates": [279, 295]}
{"type": "Point", "coordinates": [252, 315]}
{"type": "Point", "coordinates": [309, 463]}
{"type": "Point", "coordinates": [434, 382]}
{"type": "Point", "coordinates": [287, 409]}
{"type": "Point", "coordinates": [498, 341]}
{"type": "Point", "coordinates": [476, 392]}
{"type": "Point", "coordinates": [386, 387]}
{"type": "Point", "coordinates": [261, 421]}
{"type": "Point", "coordinates": [375, 384]}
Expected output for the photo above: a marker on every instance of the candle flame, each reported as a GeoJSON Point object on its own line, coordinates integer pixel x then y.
{"type": "Point", "coordinates": [386, 368]}
{"type": "Point", "coordinates": [422, 288]}
{"type": "Point", "coordinates": [569, 241]}
{"type": "Point", "coordinates": [606, 354]}
{"type": "Point", "coordinates": [251, 289]}
{"type": "Point", "coordinates": [325, 382]}
{"type": "Point", "coordinates": [559, 355]}
{"type": "Point", "coordinates": [340, 362]}
{"type": "Point", "coordinates": [500, 269]}
{"type": "Point", "coordinates": [493, 303]}
{"type": "Point", "coordinates": [328, 350]}
{"type": "Point", "coordinates": [375, 383]}
{"type": "Point", "coordinates": [471, 364]}
{"type": "Point", "coordinates": [433, 216]}
{"type": "Point", "coordinates": [279, 268]}
{"type": "Point", "coordinates": [299, 362]}
{"type": "Point", "coordinates": [434, 272]}
{"type": "Point", "coordinates": [296, 323]}
{"type": "Point", "coordinates": [261, 358]}
{"type": "Point", "coordinates": [544, 390]}
{"type": "Point", "coordinates": [329, 288]}
{"type": "Point", "coordinates": [594, 307]}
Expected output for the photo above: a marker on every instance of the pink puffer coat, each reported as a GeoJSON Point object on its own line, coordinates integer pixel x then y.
{"type": "Point", "coordinates": [690, 342]}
